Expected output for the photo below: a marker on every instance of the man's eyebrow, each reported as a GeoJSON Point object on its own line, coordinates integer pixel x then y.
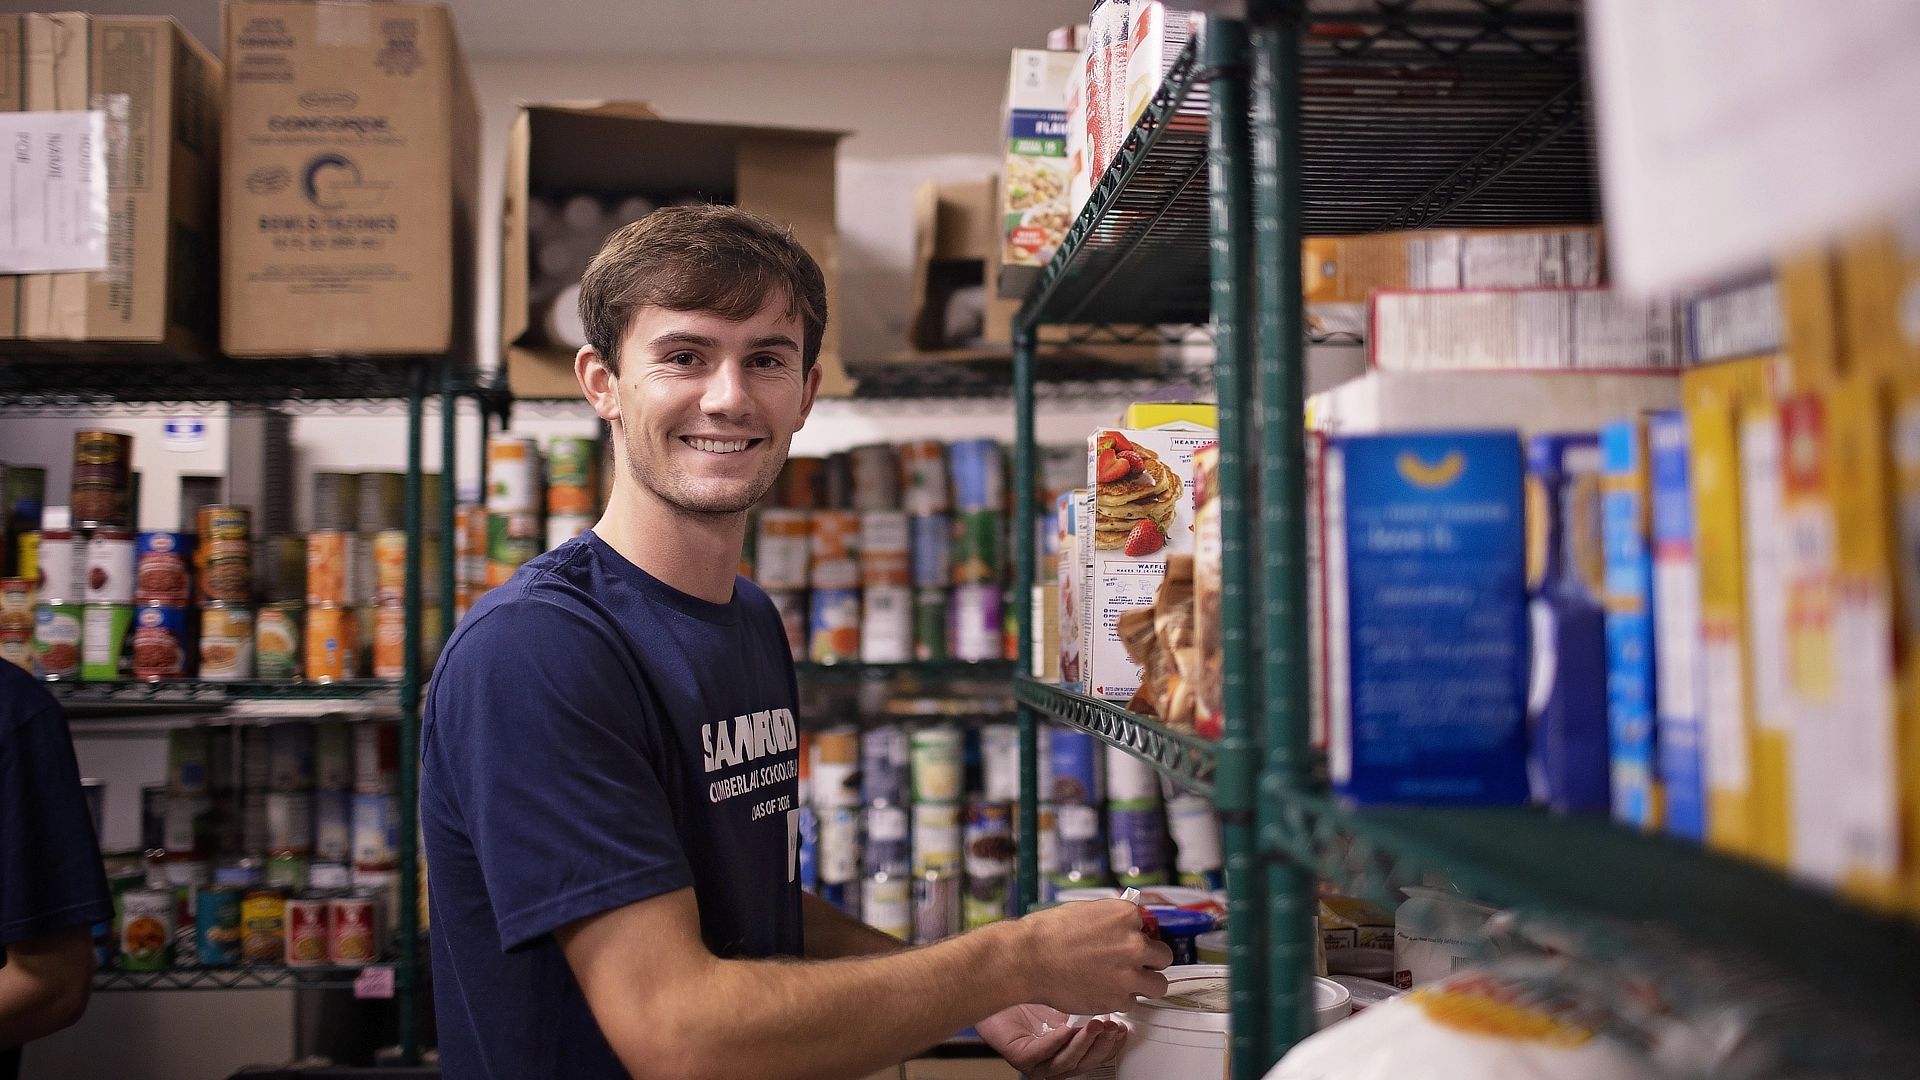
{"type": "Point", "coordinates": [683, 337]}
{"type": "Point", "coordinates": [775, 341]}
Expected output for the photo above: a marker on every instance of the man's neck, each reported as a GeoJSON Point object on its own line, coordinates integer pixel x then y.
{"type": "Point", "coordinates": [697, 554]}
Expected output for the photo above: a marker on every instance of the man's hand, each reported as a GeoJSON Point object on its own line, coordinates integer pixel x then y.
{"type": "Point", "coordinates": [1090, 957]}
{"type": "Point", "coordinates": [1036, 1040]}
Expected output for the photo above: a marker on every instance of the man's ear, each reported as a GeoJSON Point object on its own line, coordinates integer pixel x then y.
{"type": "Point", "coordinates": [601, 386]}
{"type": "Point", "coordinates": [814, 376]}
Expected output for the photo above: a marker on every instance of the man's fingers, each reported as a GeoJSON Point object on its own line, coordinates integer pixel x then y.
{"type": "Point", "coordinates": [1067, 1061]}
{"type": "Point", "coordinates": [1151, 984]}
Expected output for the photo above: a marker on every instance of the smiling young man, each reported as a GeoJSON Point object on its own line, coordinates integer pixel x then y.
{"type": "Point", "coordinates": [611, 896]}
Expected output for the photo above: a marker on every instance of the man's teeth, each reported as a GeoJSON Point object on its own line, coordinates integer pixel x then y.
{"type": "Point", "coordinates": [719, 446]}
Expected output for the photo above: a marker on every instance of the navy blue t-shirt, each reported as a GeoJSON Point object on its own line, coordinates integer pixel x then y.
{"type": "Point", "coordinates": [593, 738]}
{"type": "Point", "coordinates": [50, 873]}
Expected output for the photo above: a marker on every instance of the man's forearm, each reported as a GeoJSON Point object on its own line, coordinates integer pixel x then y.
{"type": "Point", "coordinates": [44, 985]}
{"type": "Point", "coordinates": [832, 934]}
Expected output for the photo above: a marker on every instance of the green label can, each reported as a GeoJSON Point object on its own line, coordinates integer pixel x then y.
{"type": "Point", "coordinates": [217, 926]}
{"type": "Point", "coordinates": [56, 640]}
{"type": "Point", "coordinates": [146, 929]}
{"type": "Point", "coordinates": [276, 640]}
{"type": "Point", "coordinates": [103, 642]}
{"type": "Point", "coordinates": [930, 624]}
{"type": "Point", "coordinates": [976, 547]}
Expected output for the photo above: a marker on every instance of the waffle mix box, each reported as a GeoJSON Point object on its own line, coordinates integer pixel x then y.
{"type": "Point", "coordinates": [1142, 485]}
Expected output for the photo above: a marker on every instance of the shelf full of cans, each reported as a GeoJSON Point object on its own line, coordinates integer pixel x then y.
{"type": "Point", "coordinates": [534, 502]}
{"type": "Point", "coordinates": [93, 599]}
{"type": "Point", "coordinates": [909, 824]}
{"type": "Point", "coordinates": [271, 846]}
{"type": "Point", "coordinates": [894, 553]}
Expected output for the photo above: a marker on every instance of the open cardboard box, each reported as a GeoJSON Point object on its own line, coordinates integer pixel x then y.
{"type": "Point", "coordinates": [615, 149]}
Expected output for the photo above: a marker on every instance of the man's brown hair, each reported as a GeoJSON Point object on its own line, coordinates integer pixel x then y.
{"type": "Point", "coordinates": [717, 259]}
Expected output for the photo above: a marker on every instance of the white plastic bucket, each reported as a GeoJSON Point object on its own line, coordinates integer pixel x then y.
{"type": "Point", "coordinates": [1182, 1036]}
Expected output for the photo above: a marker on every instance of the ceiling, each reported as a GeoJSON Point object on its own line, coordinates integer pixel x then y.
{"type": "Point", "coordinates": [850, 29]}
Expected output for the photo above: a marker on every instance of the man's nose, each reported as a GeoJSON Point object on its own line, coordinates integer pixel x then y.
{"type": "Point", "coordinates": [725, 393]}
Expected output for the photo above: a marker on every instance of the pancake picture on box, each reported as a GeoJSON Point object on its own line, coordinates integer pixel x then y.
{"type": "Point", "coordinates": [1135, 497]}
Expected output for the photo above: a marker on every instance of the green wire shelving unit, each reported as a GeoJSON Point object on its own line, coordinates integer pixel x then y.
{"type": "Point", "coordinates": [1343, 116]}
{"type": "Point", "coordinates": [32, 384]}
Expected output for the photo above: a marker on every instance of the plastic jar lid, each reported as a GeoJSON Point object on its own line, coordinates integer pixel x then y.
{"type": "Point", "coordinates": [1331, 1002]}
{"type": "Point", "coordinates": [1196, 1000]}
{"type": "Point", "coordinates": [1179, 922]}
{"type": "Point", "coordinates": [1366, 992]}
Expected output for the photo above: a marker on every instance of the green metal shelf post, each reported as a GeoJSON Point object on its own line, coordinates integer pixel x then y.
{"type": "Point", "coordinates": [409, 973]}
{"type": "Point", "coordinates": [449, 496]}
{"type": "Point", "coordinates": [1230, 202]}
{"type": "Point", "coordinates": [1024, 467]}
{"type": "Point", "coordinates": [1280, 344]}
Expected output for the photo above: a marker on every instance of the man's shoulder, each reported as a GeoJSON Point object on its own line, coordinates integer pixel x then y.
{"type": "Point", "coordinates": [23, 700]}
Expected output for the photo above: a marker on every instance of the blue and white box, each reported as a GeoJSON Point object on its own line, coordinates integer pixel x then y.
{"type": "Point", "coordinates": [1571, 753]}
{"type": "Point", "coordinates": [1624, 511]}
{"type": "Point", "coordinates": [1678, 669]}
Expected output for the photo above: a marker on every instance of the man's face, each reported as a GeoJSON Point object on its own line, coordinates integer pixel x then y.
{"type": "Point", "coordinates": [708, 407]}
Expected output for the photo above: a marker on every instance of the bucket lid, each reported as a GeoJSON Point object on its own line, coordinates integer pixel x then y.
{"type": "Point", "coordinates": [1366, 992]}
{"type": "Point", "coordinates": [1330, 997]}
{"type": "Point", "coordinates": [1196, 1000]}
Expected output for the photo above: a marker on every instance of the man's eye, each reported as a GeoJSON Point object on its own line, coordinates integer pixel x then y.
{"type": "Point", "coordinates": [766, 360]}
{"type": "Point", "coordinates": [683, 358]}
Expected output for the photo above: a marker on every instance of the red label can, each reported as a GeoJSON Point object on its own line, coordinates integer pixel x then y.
{"type": "Point", "coordinates": [355, 939]}
{"type": "Point", "coordinates": [307, 930]}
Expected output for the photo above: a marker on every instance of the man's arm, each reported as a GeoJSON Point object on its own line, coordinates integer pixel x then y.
{"type": "Point", "coordinates": [673, 1011]}
{"type": "Point", "coordinates": [832, 934]}
{"type": "Point", "coordinates": [45, 985]}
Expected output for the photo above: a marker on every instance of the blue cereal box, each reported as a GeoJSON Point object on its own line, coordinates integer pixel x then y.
{"type": "Point", "coordinates": [1676, 629]}
{"type": "Point", "coordinates": [1426, 617]}
{"type": "Point", "coordinates": [1624, 513]}
{"type": "Point", "coordinates": [1569, 756]}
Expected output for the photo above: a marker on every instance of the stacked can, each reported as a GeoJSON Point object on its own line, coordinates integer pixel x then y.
{"type": "Point", "coordinates": [513, 505]}
{"type": "Point", "coordinates": [1078, 791]}
{"type": "Point", "coordinates": [224, 557]}
{"type": "Point", "coordinates": [989, 837]}
{"type": "Point", "coordinates": [886, 620]}
{"type": "Point", "coordinates": [16, 622]}
{"type": "Point", "coordinates": [573, 487]}
{"type": "Point", "coordinates": [376, 815]}
{"type": "Point", "coordinates": [979, 498]}
{"type": "Point", "coordinates": [924, 496]}
{"type": "Point", "coordinates": [782, 562]}
{"type": "Point", "coordinates": [186, 834]}
{"type": "Point", "coordinates": [163, 641]}
{"type": "Point", "coordinates": [886, 864]}
{"type": "Point", "coordinates": [289, 802]}
{"type": "Point", "coordinates": [1136, 825]}
{"type": "Point", "coordinates": [104, 556]}
{"type": "Point", "coordinates": [1195, 829]}
{"type": "Point", "coordinates": [279, 627]}
{"type": "Point", "coordinates": [333, 774]}
{"type": "Point", "coordinates": [23, 496]}
{"type": "Point", "coordinates": [56, 612]}
{"type": "Point", "coordinates": [835, 790]}
{"type": "Point", "coordinates": [470, 557]}
{"type": "Point", "coordinates": [332, 630]}
{"type": "Point", "coordinates": [937, 756]}
{"type": "Point", "coordinates": [834, 575]}
{"type": "Point", "coordinates": [102, 479]}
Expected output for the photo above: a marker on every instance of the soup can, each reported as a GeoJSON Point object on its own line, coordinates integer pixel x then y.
{"type": "Point", "coordinates": [513, 474]}
{"type": "Point", "coordinates": [835, 626]}
{"type": "Point", "coordinates": [923, 477]}
{"type": "Point", "coordinates": [383, 501]}
{"type": "Point", "coordinates": [886, 904]}
{"type": "Point", "coordinates": [930, 618]}
{"type": "Point", "coordinates": [146, 928]}
{"type": "Point", "coordinates": [332, 755]}
{"type": "Point", "coordinates": [571, 468]}
{"type": "Point", "coordinates": [936, 907]}
{"type": "Point", "coordinates": [836, 768]}
{"type": "Point", "coordinates": [886, 625]}
{"type": "Point", "coordinates": [263, 925]}
{"type": "Point", "coordinates": [16, 647]}
{"type": "Point", "coordinates": [1082, 858]}
{"type": "Point", "coordinates": [936, 838]}
{"type": "Point", "coordinates": [104, 656]}
{"type": "Point", "coordinates": [390, 641]}
{"type": "Point", "coordinates": [938, 763]}
{"type": "Point", "coordinates": [27, 549]}
{"type": "Point", "coordinates": [276, 640]}
{"type": "Point", "coordinates": [833, 549]}
{"type": "Point", "coordinates": [800, 483]}
{"type": "Point", "coordinates": [332, 635]}
{"type": "Point", "coordinates": [109, 567]}
{"type": "Point", "coordinates": [376, 831]}
{"type": "Point", "coordinates": [794, 619]}
{"type": "Point", "coordinates": [161, 573]}
{"type": "Point", "coordinates": [781, 552]}
{"type": "Point", "coordinates": [102, 478]}
{"type": "Point", "coordinates": [217, 926]}
{"type": "Point", "coordinates": [876, 477]}
{"type": "Point", "coordinates": [884, 761]}
{"type": "Point", "coordinates": [224, 523]}
{"type": "Point", "coordinates": [16, 603]}
{"type": "Point", "coordinates": [56, 640]}
{"type": "Point", "coordinates": [976, 553]}
{"type": "Point", "coordinates": [390, 566]}
{"type": "Point", "coordinates": [930, 549]}
{"type": "Point", "coordinates": [290, 755]}
{"type": "Point", "coordinates": [1137, 842]}
{"type": "Point", "coordinates": [280, 568]}
{"type": "Point", "coordinates": [376, 758]}
{"type": "Point", "coordinates": [977, 473]}
{"type": "Point", "coordinates": [1198, 857]}
{"type": "Point", "coordinates": [329, 566]}
{"type": "Point", "coordinates": [307, 930]}
{"type": "Point", "coordinates": [1076, 761]}
{"type": "Point", "coordinates": [336, 501]}
{"type": "Point", "coordinates": [977, 632]}
{"type": "Point", "coordinates": [54, 574]}
{"type": "Point", "coordinates": [354, 938]}
{"type": "Point", "coordinates": [838, 853]}
{"type": "Point", "coordinates": [226, 642]}
{"type": "Point", "coordinates": [333, 825]}
{"type": "Point", "coordinates": [988, 839]}
{"type": "Point", "coordinates": [1000, 762]}
{"type": "Point", "coordinates": [564, 527]}
{"type": "Point", "coordinates": [160, 642]}
{"type": "Point", "coordinates": [888, 849]}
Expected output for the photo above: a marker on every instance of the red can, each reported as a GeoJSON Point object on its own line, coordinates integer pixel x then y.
{"type": "Point", "coordinates": [355, 939]}
{"type": "Point", "coordinates": [308, 920]}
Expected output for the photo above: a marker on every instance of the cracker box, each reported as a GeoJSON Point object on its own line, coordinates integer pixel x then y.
{"type": "Point", "coordinates": [1142, 485]}
{"type": "Point", "coordinates": [1034, 194]}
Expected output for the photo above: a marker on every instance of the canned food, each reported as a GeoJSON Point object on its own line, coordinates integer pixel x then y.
{"type": "Point", "coordinates": [564, 527]}
{"type": "Point", "coordinates": [226, 642]}
{"type": "Point", "coordinates": [332, 755]}
{"type": "Point", "coordinates": [988, 838]}
{"type": "Point", "coordinates": [836, 768]}
{"type": "Point", "coordinates": [886, 904]}
{"type": "Point", "coordinates": [108, 567]}
{"type": "Point", "coordinates": [923, 477]}
{"type": "Point", "coordinates": [185, 821]}
{"type": "Point", "coordinates": [781, 553]}
{"type": "Point", "coordinates": [333, 825]}
{"type": "Point", "coordinates": [27, 548]}
{"type": "Point", "coordinates": [307, 919]}
{"type": "Point", "coordinates": [985, 899]}
{"type": "Point", "coordinates": [376, 831]}
{"type": "Point", "coordinates": [276, 640]}
{"type": "Point", "coordinates": [187, 752]}
{"type": "Point", "coordinates": [835, 540]}
{"type": "Point", "coordinates": [936, 838]}
{"type": "Point", "coordinates": [512, 539]}
{"type": "Point", "coordinates": [332, 642]}
{"type": "Point", "coordinates": [800, 483]}
{"type": "Point", "coordinates": [792, 606]}
{"type": "Point", "coordinates": [390, 641]}
{"type": "Point", "coordinates": [217, 926]}
{"type": "Point", "coordinates": [1196, 836]}
{"type": "Point", "coordinates": [978, 475]}
{"type": "Point", "coordinates": [888, 849]}
{"type": "Point", "coordinates": [290, 755]}
{"type": "Point", "coordinates": [16, 603]}
{"type": "Point", "coordinates": [160, 572]}
{"type": "Point", "coordinates": [329, 565]}
{"type": "Point", "coordinates": [836, 482]}
{"type": "Point", "coordinates": [16, 647]}
{"type": "Point", "coordinates": [383, 502]}
{"type": "Point", "coordinates": [226, 570]}
{"type": "Point", "coordinates": [470, 545]}
{"type": "Point", "coordinates": [930, 549]}
{"type": "Point", "coordinates": [837, 857]}
{"type": "Point", "coordinates": [570, 474]}
{"type": "Point", "coordinates": [835, 626]}
{"type": "Point", "coordinates": [513, 475]}
{"type": "Point", "coordinates": [1000, 762]}
{"type": "Point", "coordinates": [160, 642]}
{"type": "Point", "coordinates": [1130, 779]}
{"type": "Point", "coordinates": [886, 625]}
{"type": "Point", "coordinates": [976, 552]}
{"type": "Point", "coordinates": [936, 908]}
{"type": "Point", "coordinates": [146, 928]}
{"type": "Point", "coordinates": [263, 925]}
{"type": "Point", "coordinates": [336, 501]}
{"type": "Point", "coordinates": [55, 579]}
{"type": "Point", "coordinates": [228, 523]}
{"type": "Point", "coordinates": [977, 632]}
{"type": "Point", "coordinates": [103, 642]}
{"type": "Point", "coordinates": [939, 763]}
{"type": "Point", "coordinates": [1137, 842]}
{"type": "Point", "coordinates": [1082, 859]}
{"type": "Point", "coordinates": [884, 762]}
{"type": "Point", "coordinates": [1049, 828]}
{"type": "Point", "coordinates": [807, 826]}
{"type": "Point", "coordinates": [1076, 765]}
{"type": "Point", "coordinates": [930, 620]}
{"type": "Point", "coordinates": [287, 872]}
{"type": "Point", "coordinates": [376, 758]}
{"type": "Point", "coordinates": [390, 566]}
{"type": "Point", "coordinates": [102, 478]}
{"type": "Point", "coordinates": [354, 938]}
{"type": "Point", "coordinates": [876, 477]}
{"type": "Point", "coordinates": [56, 640]}
{"type": "Point", "coordinates": [332, 878]}
{"type": "Point", "coordinates": [383, 886]}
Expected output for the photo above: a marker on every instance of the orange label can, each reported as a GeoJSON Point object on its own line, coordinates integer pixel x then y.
{"type": "Point", "coordinates": [332, 642]}
{"type": "Point", "coordinates": [329, 562]}
{"type": "Point", "coordinates": [390, 566]}
{"type": "Point", "coordinates": [390, 641]}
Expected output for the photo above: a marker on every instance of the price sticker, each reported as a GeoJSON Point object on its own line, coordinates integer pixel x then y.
{"type": "Point", "coordinates": [374, 982]}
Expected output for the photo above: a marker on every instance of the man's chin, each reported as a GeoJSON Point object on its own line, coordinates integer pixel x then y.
{"type": "Point", "coordinates": [712, 498]}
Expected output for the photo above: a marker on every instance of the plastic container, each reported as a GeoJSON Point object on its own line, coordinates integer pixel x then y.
{"type": "Point", "coordinates": [1362, 963]}
{"type": "Point", "coordinates": [1179, 928]}
{"type": "Point", "coordinates": [1332, 1003]}
{"type": "Point", "coordinates": [1211, 947]}
{"type": "Point", "coordinates": [1182, 1036]}
{"type": "Point", "coordinates": [1435, 932]}
{"type": "Point", "coordinates": [1366, 993]}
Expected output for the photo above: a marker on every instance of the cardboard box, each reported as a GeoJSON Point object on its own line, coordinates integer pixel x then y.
{"type": "Point", "coordinates": [1039, 169]}
{"type": "Point", "coordinates": [1159, 35]}
{"type": "Point", "coordinates": [1426, 618]}
{"type": "Point", "coordinates": [1678, 662]}
{"type": "Point", "coordinates": [159, 91]}
{"type": "Point", "coordinates": [1904, 441]}
{"type": "Point", "coordinates": [1521, 329]}
{"type": "Point", "coordinates": [350, 181]}
{"type": "Point", "coordinates": [1878, 275]}
{"type": "Point", "coordinates": [621, 149]}
{"type": "Point", "coordinates": [1788, 308]}
{"type": "Point", "coordinates": [1533, 402]}
{"type": "Point", "coordinates": [1069, 590]}
{"type": "Point", "coordinates": [1143, 512]}
{"type": "Point", "coordinates": [1625, 520]}
{"type": "Point", "coordinates": [954, 238]}
{"type": "Point", "coordinates": [1348, 269]}
{"type": "Point", "coordinates": [1566, 566]}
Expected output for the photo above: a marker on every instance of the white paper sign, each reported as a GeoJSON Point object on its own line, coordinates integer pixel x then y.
{"type": "Point", "coordinates": [1731, 133]}
{"type": "Point", "coordinates": [53, 192]}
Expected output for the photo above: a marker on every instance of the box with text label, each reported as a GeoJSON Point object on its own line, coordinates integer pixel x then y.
{"type": "Point", "coordinates": [350, 179]}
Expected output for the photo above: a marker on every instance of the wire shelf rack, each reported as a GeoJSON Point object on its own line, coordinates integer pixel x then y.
{"type": "Point", "coordinates": [37, 384]}
{"type": "Point", "coordinates": [1188, 759]}
{"type": "Point", "coordinates": [248, 977]}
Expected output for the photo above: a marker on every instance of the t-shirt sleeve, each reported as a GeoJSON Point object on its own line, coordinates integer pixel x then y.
{"type": "Point", "coordinates": [50, 873]}
{"type": "Point", "coordinates": [546, 748]}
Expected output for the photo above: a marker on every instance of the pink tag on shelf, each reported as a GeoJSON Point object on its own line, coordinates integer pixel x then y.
{"type": "Point", "coordinates": [374, 982]}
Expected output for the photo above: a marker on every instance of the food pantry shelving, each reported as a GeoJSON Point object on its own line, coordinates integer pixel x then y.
{"type": "Point", "coordinates": [1348, 117]}
{"type": "Point", "coordinates": [92, 385]}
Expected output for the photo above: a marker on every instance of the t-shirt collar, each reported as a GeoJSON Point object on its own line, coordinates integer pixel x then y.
{"type": "Point", "coordinates": [660, 592]}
